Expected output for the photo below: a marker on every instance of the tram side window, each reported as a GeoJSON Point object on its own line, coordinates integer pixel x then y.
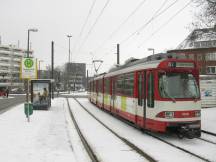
{"type": "Point", "coordinates": [94, 86]}
{"type": "Point", "coordinates": [100, 88]}
{"type": "Point", "coordinates": [107, 86]}
{"type": "Point", "coordinates": [128, 84]}
{"type": "Point", "coordinates": [89, 86]}
{"type": "Point", "coordinates": [119, 84]}
{"type": "Point", "coordinates": [150, 96]}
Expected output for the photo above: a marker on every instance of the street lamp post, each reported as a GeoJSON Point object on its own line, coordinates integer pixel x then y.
{"type": "Point", "coordinates": [69, 58]}
{"type": "Point", "coordinates": [151, 49]}
{"type": "Point", "coordinates": [29, 30]}
{"type": "Point", "coordinates": [27, 89]}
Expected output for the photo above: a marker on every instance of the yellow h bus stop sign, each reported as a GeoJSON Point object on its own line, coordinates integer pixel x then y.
{"type": "Point", "coordinates": [28, 68]}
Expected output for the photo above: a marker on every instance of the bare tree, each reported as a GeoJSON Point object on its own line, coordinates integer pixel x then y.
{"type": "Point", "coordinates": [206, 17]}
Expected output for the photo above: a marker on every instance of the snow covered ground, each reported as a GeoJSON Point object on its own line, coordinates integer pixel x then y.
{"type": "Point", "coordinates": [44, 138]}
{"type": "Point", "coordinates": [74, 93]}
{"type": "Point", "coordinates": [51, 137]}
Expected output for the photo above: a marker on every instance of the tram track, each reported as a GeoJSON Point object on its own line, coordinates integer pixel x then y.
{"type": "Point", "coordinates": [125, 141]}
{"type": "Point", "coordinates": [210, 133]}
{"type": "Point", "coordinates": [167, 141]}
{"type": "Point", "coordinates": [206, 140]}
{"type": "Point", "coordinates": [86, 145]}
{"type": "Point", "coordinates": [211, 137]}
{"type": "Point", "coordinates": [177, 147]}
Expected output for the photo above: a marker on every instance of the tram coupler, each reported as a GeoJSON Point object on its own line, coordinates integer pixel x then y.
{"type": "Point", "coordinates": [186, 131]}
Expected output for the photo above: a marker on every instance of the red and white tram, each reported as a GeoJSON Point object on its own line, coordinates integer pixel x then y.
{"type": "Point", "coordinates": [160, 95]}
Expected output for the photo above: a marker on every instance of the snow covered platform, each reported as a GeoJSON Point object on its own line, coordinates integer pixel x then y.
{"type": "Point", "coordinates": [44, 138]}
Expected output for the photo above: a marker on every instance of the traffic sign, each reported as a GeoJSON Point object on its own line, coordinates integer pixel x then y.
{"type": "Point", "coordinates": [28, 68]}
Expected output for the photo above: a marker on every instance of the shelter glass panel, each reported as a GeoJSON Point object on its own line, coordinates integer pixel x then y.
{"type": "Point", "coordinates": [40, 94]}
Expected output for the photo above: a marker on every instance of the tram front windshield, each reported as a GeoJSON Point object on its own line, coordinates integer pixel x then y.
{"type": "Point", "coordinates": [178, 85]}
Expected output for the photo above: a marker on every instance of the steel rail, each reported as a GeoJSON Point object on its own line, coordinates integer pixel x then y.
{"type": "Point", "coordinates": [89, 150]}
{"type": "Point", "coordinates": [206, 140]}
{"type": "Point", "coordinates": [177, 147]}
{"type": "Point", "coordinates": [207, 132]}
{"type": "Point", "coordinates": [133, 146]}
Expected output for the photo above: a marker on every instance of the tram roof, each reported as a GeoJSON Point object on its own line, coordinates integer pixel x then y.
{"type": "Point", "coordinates": [137, 65]}
{"type": "Point", "coordinates": [149, 62]}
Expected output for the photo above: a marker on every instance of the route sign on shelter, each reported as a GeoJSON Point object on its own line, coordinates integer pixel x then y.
{"type": "Point", "coordinates": [28, 68]}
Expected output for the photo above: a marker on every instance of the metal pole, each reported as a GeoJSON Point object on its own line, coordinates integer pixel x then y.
{"type": "Point", "coordinates": [68, 68]}
{"type": "Point", "coordinates": [28, 101]}
{"type": "Point", "coordinates": [27, 89]}
{"type": "Point", "coordinates": [52, 65]}
{"type": "Point", "coordinates": [69, 50]}
{"type": "Point", "coordinates": [87, 81]}
{"type": "Point", "coordinates": [39, 70]}
{"type": "Point", "coordinates": [118, 54]}
{"type": "Point", "coordinates": [27, 96]}
{"type": "Point", "coordinates": [28, 44]}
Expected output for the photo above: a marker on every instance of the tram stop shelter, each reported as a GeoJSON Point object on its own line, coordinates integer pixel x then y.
{"type": "Point", "coordinates": [41, 93]}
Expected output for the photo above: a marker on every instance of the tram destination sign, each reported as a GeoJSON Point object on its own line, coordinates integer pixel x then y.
{"type": "Point", "coordinates": [181, 64]}
{"type": "Point", "coordinates": [28, 68]}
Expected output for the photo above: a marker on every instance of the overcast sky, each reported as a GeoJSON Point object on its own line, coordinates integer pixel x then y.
{"type": "Point", "coordinates": [132, 23]}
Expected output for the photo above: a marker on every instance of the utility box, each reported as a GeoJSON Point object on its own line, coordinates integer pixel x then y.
{"type": "Point", "coordinates": [208, 90]}
{"type": "Point", "coordinates": [41, 93]}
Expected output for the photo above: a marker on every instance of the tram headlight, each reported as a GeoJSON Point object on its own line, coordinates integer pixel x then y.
{"type": "Point", "coordinates": [197, 113]}
{"type": "Point", "coordinates": [169, 114]}
{"type": "Point", "coordinates": [166, 114]}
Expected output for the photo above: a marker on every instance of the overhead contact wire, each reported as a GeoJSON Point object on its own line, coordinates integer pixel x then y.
{"type": "Point", "coordinates": [149, 21]}
{"type": "Point", "coordinates": [93, 26]}
{"type": "Point", "coordinates": [167, 22]}
{"type": "Point", "coordinates": [123, 23]}
{"type": "Point", "coordinates": [84, 25]}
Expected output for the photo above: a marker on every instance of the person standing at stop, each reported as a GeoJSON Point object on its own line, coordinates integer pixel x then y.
{"type": "Point", "coordinates": [7, 92]}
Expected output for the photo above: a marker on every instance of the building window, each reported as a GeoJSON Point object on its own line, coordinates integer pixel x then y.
{"type": "Point", "coordinates": [210, 56]}
{"type": "Point", "coordinates": [211, 70]}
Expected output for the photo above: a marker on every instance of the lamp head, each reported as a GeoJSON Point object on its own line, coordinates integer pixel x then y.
{"type": "Point", "coordinates": [33, 30]}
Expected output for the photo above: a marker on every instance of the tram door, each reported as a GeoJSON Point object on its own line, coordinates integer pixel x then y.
{"type": "Point", "coordinates": [113, 94]}
{"type": "Point", "coordinates": [141, 109]}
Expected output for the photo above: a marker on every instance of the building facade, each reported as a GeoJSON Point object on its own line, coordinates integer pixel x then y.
{"type": "Point", "coordinates": [75, 76]}
{"type": "Point", "coordinates": [200, 46]}
{"type": "Point", "coordinates": [10, 59]}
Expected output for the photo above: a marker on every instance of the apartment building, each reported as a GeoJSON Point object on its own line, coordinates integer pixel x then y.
{"type": "Point", "coordinates": [10, 58]}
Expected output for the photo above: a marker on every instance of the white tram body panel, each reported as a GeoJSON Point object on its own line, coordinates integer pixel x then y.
{"type": "Point", "coordinates": [182, 107]}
